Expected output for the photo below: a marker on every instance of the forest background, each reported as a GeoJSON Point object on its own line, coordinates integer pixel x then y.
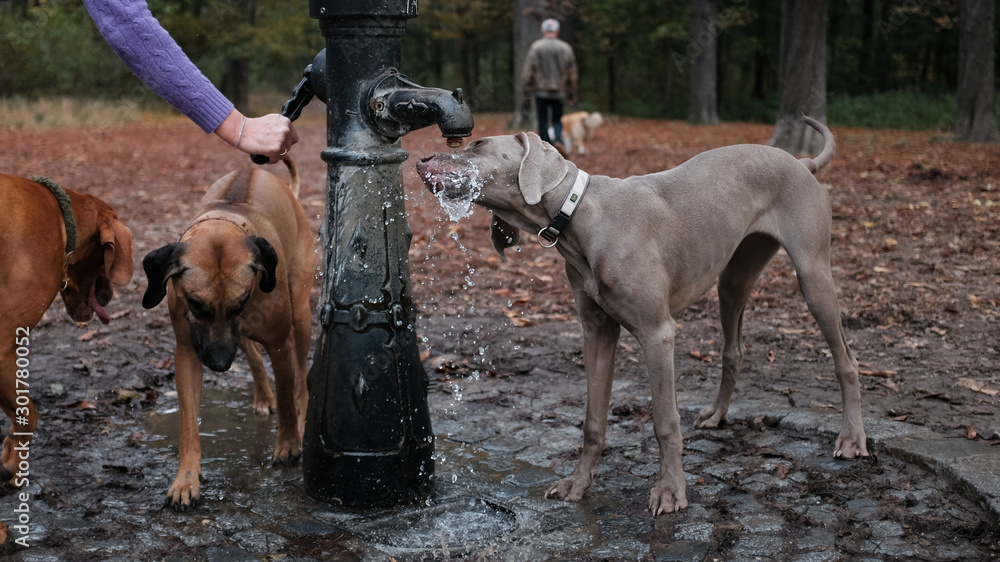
{"type": "Point", "coordinates": [890, 63]}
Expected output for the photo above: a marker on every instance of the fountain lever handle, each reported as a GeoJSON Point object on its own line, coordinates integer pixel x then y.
{"type": "Point", "coordinates": [313, 84]}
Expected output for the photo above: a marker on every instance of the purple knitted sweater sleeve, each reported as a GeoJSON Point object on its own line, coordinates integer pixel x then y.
{"type": "Point", "coordinates": [151, 54]}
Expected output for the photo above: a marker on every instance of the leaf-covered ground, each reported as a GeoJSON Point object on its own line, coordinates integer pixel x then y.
{"type": "Point", "coordinates": [915, 253]}
{"type": "Point", "coordinates": [916, 258]}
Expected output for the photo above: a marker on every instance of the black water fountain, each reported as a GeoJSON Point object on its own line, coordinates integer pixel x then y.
{"type": "Point", "coordinates": [368, 439]}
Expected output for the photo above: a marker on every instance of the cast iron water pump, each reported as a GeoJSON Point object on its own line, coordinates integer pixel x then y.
{"type": "Point", "coordinates": [368, 434]}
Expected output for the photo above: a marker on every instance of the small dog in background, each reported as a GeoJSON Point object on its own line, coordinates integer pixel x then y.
{"type": "Point", "coordinates": [578, 128]}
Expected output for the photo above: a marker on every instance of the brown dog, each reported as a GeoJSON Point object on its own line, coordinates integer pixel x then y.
{"type": "Point", "coordinates": [243, 270]}
{"type": "Point", "coordinates": [36, 263]}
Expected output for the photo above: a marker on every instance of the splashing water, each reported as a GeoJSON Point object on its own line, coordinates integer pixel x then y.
{"type": "Point", "coordinates": [460, 190]}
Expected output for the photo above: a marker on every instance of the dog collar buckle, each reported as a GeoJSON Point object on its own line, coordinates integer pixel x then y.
{"type": "Point", "coordinates": [559, 223]}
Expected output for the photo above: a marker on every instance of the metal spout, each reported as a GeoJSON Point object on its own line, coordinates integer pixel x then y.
{"type": "Point", "coordinates": [396, 105]}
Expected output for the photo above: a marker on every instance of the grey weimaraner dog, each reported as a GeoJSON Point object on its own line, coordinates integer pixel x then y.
{"type": "Point", "coordinates": [642, 249]}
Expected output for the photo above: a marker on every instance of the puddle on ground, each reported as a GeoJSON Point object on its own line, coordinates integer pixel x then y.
{"type": "Point", "coordinates": [237, 447]}
{"type": "Point", "coordinates": [234, 440]}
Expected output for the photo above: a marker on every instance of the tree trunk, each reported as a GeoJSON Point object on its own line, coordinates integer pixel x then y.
{"type": "Point", "coordinates": [612, 101]}
{"type": "Point", "coordinates": [668, 90]}
{"type": "Point", "coordinates": [703, 108]}
{"type": "Point", "coordinates": [866, 62]}
{"type": "Point", "coordinates": [976, 119]}
{"type": "Point", "coordinates": [801, 75]}
{"type": "Point", "coordinates": [236, 80]}
{"type": "Point", "coordinates": [528, 16]}
{"type": "Point", "coordinates": [236, 83]}
{"type": "Point", "coordinates": [762, 62]}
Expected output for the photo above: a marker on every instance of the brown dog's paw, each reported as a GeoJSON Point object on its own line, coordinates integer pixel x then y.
{"type": "Point", "coordinates": [286, 455]}
{"type": "Point", "coordinates": [286, 461]}
{"type": "Point", "coordinates": [185, 493]}
{"type": "Point", "coordinates": [263, 408]}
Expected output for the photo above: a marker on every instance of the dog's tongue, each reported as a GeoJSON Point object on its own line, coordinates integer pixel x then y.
{"type": "Point", "coordinates": [98, 309]}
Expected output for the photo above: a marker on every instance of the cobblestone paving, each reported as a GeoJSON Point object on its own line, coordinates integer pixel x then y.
{"type": "Point", "coordinates": [758, 489]}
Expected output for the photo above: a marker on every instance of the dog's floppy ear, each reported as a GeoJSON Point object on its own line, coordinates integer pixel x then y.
{"type": "Point", "coordinates": [116, 239]}
{"type": "Point", "coordinates": [542, 168]}
{"type": "Point", "coordinates": [160, 265]}
{"type": "Point", "coordinates": [504, 235]}
{"type": "Point", "coordinates": [266, 262]}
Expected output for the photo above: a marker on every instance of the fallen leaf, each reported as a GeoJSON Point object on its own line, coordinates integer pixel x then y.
{"type": "Point", "coordinates": [517, 319]}
{"type": "Point", "coordinates": [87, 336]}
{"type": "Point", "coordinates": [890, 384]}
{"type": "Point", "coordinates": [976, 386]}
{"type": "Point", "coordinates": [974, 301]}
{"type": "Point", "coordinates": [700, 356]}
{"type": "Point", "coordinates": [971, 433]}
{"type": "Point", "coordinates": [877, 373]}
{"type": "Point", "coordinates": [164, 363]}
{"type": "Point", "coordinates": [119, 314]}
{"type": "Point", "coordinates": [79, 405]}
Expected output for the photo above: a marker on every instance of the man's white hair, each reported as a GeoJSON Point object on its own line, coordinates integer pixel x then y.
{"type": "Point", "coordinates": [550, 26]}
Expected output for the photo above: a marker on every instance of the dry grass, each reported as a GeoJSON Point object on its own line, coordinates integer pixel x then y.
{"type": "Point", "coordinates": [48, 113]}
{"type": "Point", "coordinates": [19, 113]}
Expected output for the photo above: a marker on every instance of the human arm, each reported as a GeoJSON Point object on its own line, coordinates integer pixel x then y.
{"type": "Point", "coordinates": [155, 58]}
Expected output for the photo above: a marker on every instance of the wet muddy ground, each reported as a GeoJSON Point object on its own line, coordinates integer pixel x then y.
{"type": "Point", "coordinates": [915, 256]}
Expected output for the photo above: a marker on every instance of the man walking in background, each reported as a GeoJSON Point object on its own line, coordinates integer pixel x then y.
{"type": "Point", "coordinates": [550, 75]}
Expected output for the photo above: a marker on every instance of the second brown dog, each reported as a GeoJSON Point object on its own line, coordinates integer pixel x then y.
{"type": "Point", "coordinates": [78, 253]}
{"type": "Point", "coordinates": [243, 270]}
